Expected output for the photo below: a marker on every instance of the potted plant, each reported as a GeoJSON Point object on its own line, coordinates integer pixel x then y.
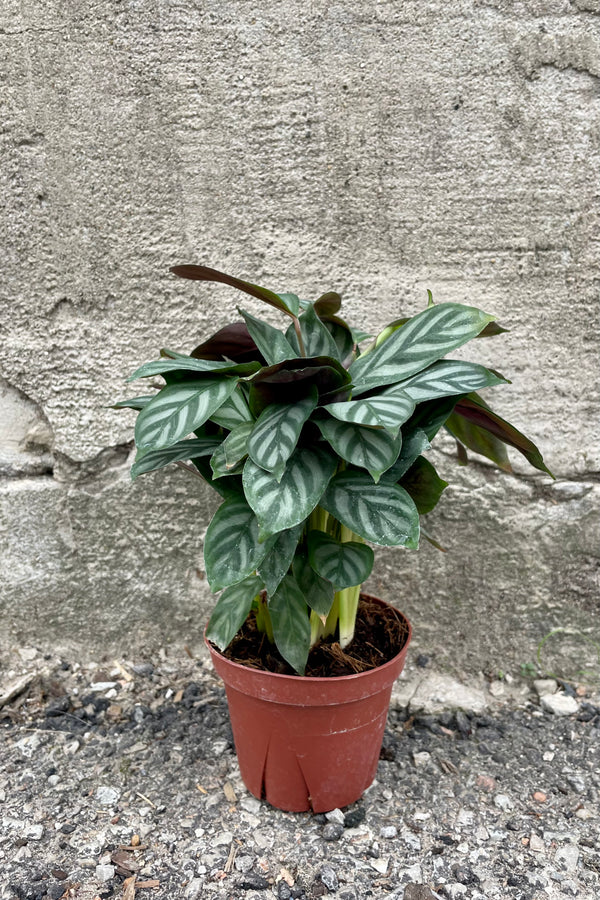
{"type": "Point", "coordinates": [314, 438]}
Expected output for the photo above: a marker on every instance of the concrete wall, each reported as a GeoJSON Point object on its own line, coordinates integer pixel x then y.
{"type": "Point", "coordinates": [375, 149]}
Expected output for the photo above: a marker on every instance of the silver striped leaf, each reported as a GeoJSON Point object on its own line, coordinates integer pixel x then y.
{"type": "Point", "coordinates": [421, 341]}
{"type": "Point", "coordinates": [178, 409]}
{"type": "Point", "coordinates": [370, 448]}
{"type": "Point", "coordinates": [344, 563]}
{"type": "Point", "coordinates": [276, 432]}
{"type": "Point", "coordinates": [228, 455]}
{"type": "Point", "coordinates": [291, 626]}
{"type": "Point", "coordinates": [232, 550]}
{"type": "Point", "coordinates": [385, 410]}
{"type": "Point", "coordinates": [383, 514]}
{"type": "Point", "coordinates": [234, 411]}
{"type": "Point", "coordinates": [150, 460]}
{"type": "Point", "coordinates": [445, 379]}
{"type": "Point", "coordinates": [231, 611]}
{"type": "Point", "coordinates": [277, 562]}
{"type": "Point", "coordinates": [281, 505]}
{"type": "Point", "coordinates": [270, 341]}
{"type": "Point", "coordinates": [316, 337]}
{"type": "Point", "coordinates": [189, 364]}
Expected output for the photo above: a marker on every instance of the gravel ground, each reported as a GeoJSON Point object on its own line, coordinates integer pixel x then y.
{"type": "Point", "coordinates": [120, 780]}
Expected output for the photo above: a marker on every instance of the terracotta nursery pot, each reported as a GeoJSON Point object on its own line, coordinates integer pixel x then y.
{"type": "Point", "coordinates": [306, 743]}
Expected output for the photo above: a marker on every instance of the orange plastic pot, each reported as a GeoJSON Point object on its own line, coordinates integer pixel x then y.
{"type": "Point", "coordinates": [308, 743]}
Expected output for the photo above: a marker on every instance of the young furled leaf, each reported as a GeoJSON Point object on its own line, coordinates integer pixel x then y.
{"type": "Point", "coordinates": [204, 273]}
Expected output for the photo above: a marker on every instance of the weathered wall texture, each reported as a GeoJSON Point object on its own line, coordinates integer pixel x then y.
{"type": "Point", "coordinates": [372, 148]}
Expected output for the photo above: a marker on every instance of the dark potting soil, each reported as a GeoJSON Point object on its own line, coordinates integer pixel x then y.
{"type": "Point", "coordinates": [380, 634]}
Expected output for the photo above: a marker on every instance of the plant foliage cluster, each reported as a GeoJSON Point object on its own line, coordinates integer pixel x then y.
{"type": "Point", "coordinates": [316, 447]}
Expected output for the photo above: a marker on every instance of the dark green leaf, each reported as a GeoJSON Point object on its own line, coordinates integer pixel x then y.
{"type": "Point", "coordinates": [424, 485]}
{"type": "Point", "coordinates": [425, 338]}
{"type": "Point", "coordinates": [279, 558]}
{"type": "Point", "coordinates": [178, 409]}
{"type": "Point", "coordinates": [414, 442]}
{"type": "Point", "coordinates": [343, 563]}
{"type": "Point", "coordinates": [232, 610]}
{"type": "Point", "coordinates": [276, 432]}
{"type": "Point", "coordinates": [232, 550]}
{"type": "Point", "coordinates": [133, 402]}
{"type": "Point", "coordinates": [431, 415]}
{"type": "Point", "coordinates": [270, 341]}
{"type": "Point", "coordinates": [281, 505]}
{"type": "Point", "coordinates": [226, 487]}
{"type": "Point", "coordinates": [317, 591]}
{"type": "Point", "coordinates": [150, 460]}
{"type": "Point", "coordinates": [291, 627]}
{"type": "Point", "coordinates": [370, 448]}
{"type": "Point", "coordinates": [204, 273]}
{"type": "Point", "coordinates": [383, 513]}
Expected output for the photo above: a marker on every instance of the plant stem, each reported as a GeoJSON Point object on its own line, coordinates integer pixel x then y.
{"type": "Point", "coordinates": [298, 331]}
{"type": "Point", "coordinates": [263, 618]}
{"type": "Point", "coordinates": [349, 597]}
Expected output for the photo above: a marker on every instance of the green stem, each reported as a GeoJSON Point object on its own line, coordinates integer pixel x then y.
{"type": "Point", "coordinates": [348, 603]}
{"type": "Point", "coordinates": [263, 618]}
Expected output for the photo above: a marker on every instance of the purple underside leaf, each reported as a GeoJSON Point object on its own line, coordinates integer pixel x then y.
{"type": "Point", "coordinates": [205, 273]}
{"type": "Point", "coordinates": [290, 381]}
{"type": "Point", "coordinates": [328, 304]}
{"type": "Point", "coordinates": [233, 341]}
{"type": "Point", "coordinates": [479, 414]}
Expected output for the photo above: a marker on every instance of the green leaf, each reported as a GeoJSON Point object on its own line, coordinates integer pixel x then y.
{"type": "Point", "coordinates": [232, 550]}
{"type": "Point", "coordinates": [234, 448]}
{"type": "Point", "coordinates": [197, 366]}
{"type": "Point", "coordinates": [150, 460]}
{"type": "Point", "coordinates": [234, 411]}
{"type": "Point", "coordinates": [431, 415]}
{"type": "Point", "coordinates": [317, 339]}
{"type": "Point", "coordinates": [279, 557]}
{"type": "Point", "coordinates": [317, 591]}
{"type": "Point", "coordinates": [370, 448]}
{"type": "Point", "coordinates": [425, 338]}
{"type": "Point", "coordinates": [291, 381]}
{"type": "Point", "coordinates": [281, 505]}
{"type": "Point", "coordinates": [227, 488]}
{"type": "Point", "coordinates": [178, 409]}
{"type": "Point", "coordinates": [276, 432]}
{"type": "Point", "coordinates": [424, 485]}
{"type": "Point", "coordinates": [475, 411]}
{"type": "Point", "coordinates": [231, 611]}
{"type": "Point", "coordinates": [414, 442]}
{"type": "Point", "coordinates": [388, 410]}
{"type": "Point", "coordinates": [270, 341]}
{"type": "Point", "coordinates": [133, 403]}
{"type": "Point", "coordinates": [384, 513]}
{"type": "Point", "coordinates": [291, 627]}
{"type": "Point", "coordinates": [343, 563]}
{"type": "Point", "coordinates": [204, 273]}
{"type": "Point", "coordinates": [446, 378]}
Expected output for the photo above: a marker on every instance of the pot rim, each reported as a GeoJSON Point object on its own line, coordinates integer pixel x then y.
{"type": "Point", "coordinates": [243, 673]}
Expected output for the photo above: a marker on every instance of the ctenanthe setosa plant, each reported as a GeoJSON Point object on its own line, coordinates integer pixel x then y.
{"type": "Point", "coordinates": [316, 448]}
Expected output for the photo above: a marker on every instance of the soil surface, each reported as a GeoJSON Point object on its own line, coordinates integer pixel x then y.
{"type": "Point", "coordinates": [380, 634]}
{"type": "Point", "coordinates": [119, 780]}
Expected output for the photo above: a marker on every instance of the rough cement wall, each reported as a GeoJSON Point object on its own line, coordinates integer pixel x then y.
{"type": "Point", "coordinates": [376, 149]}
